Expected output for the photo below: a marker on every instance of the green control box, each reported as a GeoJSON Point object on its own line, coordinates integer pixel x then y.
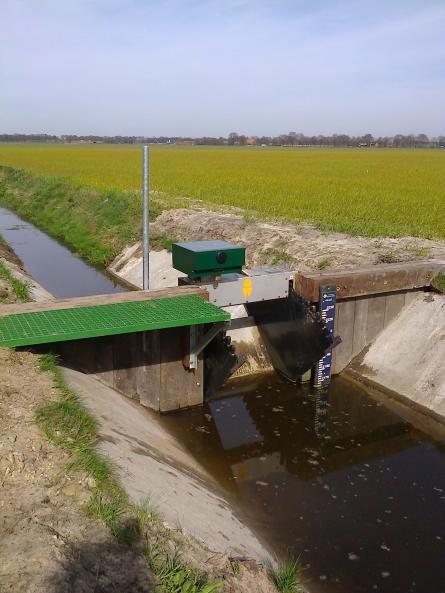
{"type": "Point", "coordinates": [199, 259]}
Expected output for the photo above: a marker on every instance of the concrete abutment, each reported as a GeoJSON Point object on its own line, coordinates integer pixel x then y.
{"type": "Point", "coordinates": [152, 367]}
{"type": "Point", "coordinates": [149, 366]}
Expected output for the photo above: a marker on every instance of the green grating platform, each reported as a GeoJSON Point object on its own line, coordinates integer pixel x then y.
{"type": "Point", "coordinates": [60, 325]}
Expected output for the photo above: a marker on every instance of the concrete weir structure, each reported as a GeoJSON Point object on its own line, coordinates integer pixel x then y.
{"type": "Point", "coordinates": [373, 303]}
{"type": "Point", "coordinates": [368, 300]}
{"type": "Point", "coordinates": [151, 363]}
{"type": "Point", "coordinates": [111, 337]}
{"type": "Point", "coordinates": [392, 329]}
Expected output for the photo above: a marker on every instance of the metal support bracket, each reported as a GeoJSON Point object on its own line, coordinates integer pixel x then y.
{"type": "Point", "coordinates": [323, 368]}
{"type": "Point", "coordinates": [197, 346]}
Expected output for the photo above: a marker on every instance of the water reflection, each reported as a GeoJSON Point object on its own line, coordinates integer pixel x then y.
{"type": "Point", "coordinates": [335, 477]}
{"type": "Point", "coordinates": [51, 264]}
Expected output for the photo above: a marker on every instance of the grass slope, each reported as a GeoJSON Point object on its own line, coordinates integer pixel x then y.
{"type": "Point", "coordinates": [96, 223]}
{"type": "Point", "coordinates": [19, 288]}
{"type": "Point", "coordinates": [67, 423]}
{"type": "Point", "coordinates": [376, 192]}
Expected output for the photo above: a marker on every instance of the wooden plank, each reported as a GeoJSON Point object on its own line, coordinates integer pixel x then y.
{"type": "Point", "coordinates": [368, 281]}
{"type": "Point", "coordinates": [376, 317]}
{"type": "Point", "coordinates": [104, 359]}
{"type": "Point", "coordinates": [360, 325]}
{"type": "Point", "coordinates": [79, 354]}
{"type": "Point", "coordinates": [394, 304]}
{"type": "Point", "coordinates": [344, 327]}
{"type": "Point", "coordinates": [180, 388]}
{"type": "Point", "coordinates": [103, 299]}
{"type": "Point", "coordinates": [149, 373]}
{"type": "Point", "coordinates": [126, 360]}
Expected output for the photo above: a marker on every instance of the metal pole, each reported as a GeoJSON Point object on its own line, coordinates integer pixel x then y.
{"type": "Point", "coordinates": [145, 216]}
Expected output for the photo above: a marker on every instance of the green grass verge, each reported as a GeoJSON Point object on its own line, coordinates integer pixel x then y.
{"type": "Point", "coordinates": [20, 289]}
{"type": "Point", "coordinates": [286, 577]}
{"type": "Point", "coordinates": [95, 223]}
{"type": "Point", "coordinates": [323, 264]}
{"type": "Point", "coordinates": [162, 241]}
{"type": "Point", "coordinates": [438, 282]}
{"type": "Point", "coordinates": [176, 577]}
{"type": "Point", "coordinates": [67, 423]}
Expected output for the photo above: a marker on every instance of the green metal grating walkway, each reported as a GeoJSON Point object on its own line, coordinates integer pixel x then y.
{"type": "Point", "coordinates": [60, 325]}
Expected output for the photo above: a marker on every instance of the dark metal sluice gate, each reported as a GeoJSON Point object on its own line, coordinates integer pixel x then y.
{"type": "Point", "coordinates": [297, 336]}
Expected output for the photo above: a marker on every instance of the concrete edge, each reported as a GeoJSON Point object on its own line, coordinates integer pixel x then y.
{"type": "Point", "coordinates": [420, 416]}
{"type": "Point", "coordinates": [150, 461]}
{"type": "Point", "coordinates": [38, 293]}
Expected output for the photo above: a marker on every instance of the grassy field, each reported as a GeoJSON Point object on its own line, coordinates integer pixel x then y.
{"type": "Point", "coordinates": [374, 192]}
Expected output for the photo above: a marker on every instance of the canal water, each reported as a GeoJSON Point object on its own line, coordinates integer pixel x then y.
{"type": "Point", "coordinates": [51, 264]}
{"type": "Point", "coordinates": [338, 480]}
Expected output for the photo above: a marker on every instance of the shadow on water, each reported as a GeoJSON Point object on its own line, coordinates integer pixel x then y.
{"type": "Point", "coordinates": [51, 264]}
{"type": "Point", "coordinates": [339, 479]}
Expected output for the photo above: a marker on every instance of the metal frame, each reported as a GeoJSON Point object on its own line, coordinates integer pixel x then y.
{"type": "Point", "coordinates": [197, 346]}
{"type": "Point", "coordinates": [250, 287]}
{"type": "Point", "coordinates": [145, 218]}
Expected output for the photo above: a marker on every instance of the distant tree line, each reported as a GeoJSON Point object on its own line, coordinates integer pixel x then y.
{"type": "Point", "coordinates": [235, 139]}
{"type": "Point", "coordinates": [338, 140]}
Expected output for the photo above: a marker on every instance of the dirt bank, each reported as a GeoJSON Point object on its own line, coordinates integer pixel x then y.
{"type": "Point", "coordinates": [8, 259]}
{"type": "Point", "coordinates": [7, 253]}
{"type": "Point", "coordinates": [48, 544]}
{"type": "Point", "coordinates": [296, 247]}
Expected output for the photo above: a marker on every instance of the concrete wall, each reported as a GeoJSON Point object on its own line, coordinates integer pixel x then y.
{"type": "Point", "coordinates": [408, 356]}
{"type": "Point", "coordinates": [368, 300]}
{"type": "Point", "coordinates": [360, 320]}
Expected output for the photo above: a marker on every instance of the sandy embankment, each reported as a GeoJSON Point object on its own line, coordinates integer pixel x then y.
{"type": "Point", "coordinates": [294, 247]}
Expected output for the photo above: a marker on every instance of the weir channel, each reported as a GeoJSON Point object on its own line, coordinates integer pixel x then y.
{"type": "Point", "coordinates": [51, 264]}
{"type": "Point", "coordinates": [351, 486]}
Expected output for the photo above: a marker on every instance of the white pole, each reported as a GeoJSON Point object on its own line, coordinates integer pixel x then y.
{"type": "Point", "coordinates": [145, 217]}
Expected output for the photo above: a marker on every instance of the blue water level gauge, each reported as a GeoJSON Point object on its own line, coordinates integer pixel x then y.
{"type": "Point", "coordinates": [328, 299]}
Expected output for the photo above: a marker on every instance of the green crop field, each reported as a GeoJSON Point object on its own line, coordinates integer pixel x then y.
{"type": "Point", "coordinates": [372, 192]}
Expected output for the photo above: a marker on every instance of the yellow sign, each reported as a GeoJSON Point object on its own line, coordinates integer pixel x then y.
{"type": "Point", "coordinates": [247, 287]}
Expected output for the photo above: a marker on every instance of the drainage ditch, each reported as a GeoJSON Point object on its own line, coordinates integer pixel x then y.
{"type": "Point", "coordinates": [338, 479]}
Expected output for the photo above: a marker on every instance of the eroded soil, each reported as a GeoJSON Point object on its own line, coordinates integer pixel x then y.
{"type": "Point", "coordinates": [295, 247]}
{"type": "Point", "coordinates": [48, 544]}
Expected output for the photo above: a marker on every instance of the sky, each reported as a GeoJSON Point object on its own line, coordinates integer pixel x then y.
{"type": "Point", "coordinates": [211, 67]}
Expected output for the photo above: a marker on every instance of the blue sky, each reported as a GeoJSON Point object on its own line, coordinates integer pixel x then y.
{"type": "Point", "coordinates": [184, 67]}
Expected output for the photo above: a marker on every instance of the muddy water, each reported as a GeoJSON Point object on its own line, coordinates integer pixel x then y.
{"type": "Point", "coordinates": [350, 487]}
{"type": "Point", "coordinates": [51, 264]}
